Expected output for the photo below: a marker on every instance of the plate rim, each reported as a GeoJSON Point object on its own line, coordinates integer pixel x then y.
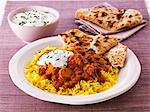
{"type": "Point", "coordinates": [87, 101]}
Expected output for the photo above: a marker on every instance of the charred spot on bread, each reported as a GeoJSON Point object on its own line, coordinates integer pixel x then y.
{"type": "Point", "coordinates": [104, 14]}
{"type": "Point", "coordinates": [122, 24]}
{"type": "Point", "coordinates": [91, 50]}
{"type": "Point", "coordinates": [97, 43]}
{"type": "Point", "coordinates": [72, 33]}
{"type": "Point", "coordinates": [105, 40]}
{"type": "Point", "coordinates": [106, 37]}
{"type": "Point", "coordinates": [80, 43]}
{"type": "Point", "coordinates": [129, 21]}
{"type": "Point", "coordinates": [96, 14]}
{"type": "Point", "coordinates": [100, 21]}
{"type": "Point", "coordinates": [76, 37]}
{"type": "Point", "coordinates": [119, 16]}
{"type": "Point", "coordinates": [136, 14]}
{"type": "Point", "coordinates": [130, 16]}
{"type": "Point", "coordinates": [110, 24]}
{"type": "Point", "coordinates": [63, 34]}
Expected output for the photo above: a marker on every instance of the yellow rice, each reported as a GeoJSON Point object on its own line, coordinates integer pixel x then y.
{"type": "Point", "coordinates": [82, 88]}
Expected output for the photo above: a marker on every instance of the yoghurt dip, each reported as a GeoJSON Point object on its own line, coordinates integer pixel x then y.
{"type": "Point", "coordinates": [58, 58]}
{"type": "Point", "coordinates": [33, 18]}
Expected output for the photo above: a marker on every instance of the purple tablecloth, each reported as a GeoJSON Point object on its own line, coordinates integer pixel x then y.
{"type": "Point", "coordinates": [14, 100]}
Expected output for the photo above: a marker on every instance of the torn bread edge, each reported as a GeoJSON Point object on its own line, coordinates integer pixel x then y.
{"type": "Point", "coordinates": [117, 55]}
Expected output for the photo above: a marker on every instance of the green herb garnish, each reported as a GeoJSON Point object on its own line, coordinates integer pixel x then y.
{"type": "Point", "coordinates": [46, 12]}
{"type": "Point", "coordinates": [23, 17]}
{"type": "Point", "coordinates": [45, 23]}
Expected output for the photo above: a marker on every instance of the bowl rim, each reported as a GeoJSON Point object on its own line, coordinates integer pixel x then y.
{"type": "Point", "coordinates": [13, 12]}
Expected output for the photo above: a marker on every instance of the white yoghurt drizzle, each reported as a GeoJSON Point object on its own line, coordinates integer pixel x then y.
{"type": "Point", "coordinates": [33, 18]}
{"type": "Point", "coordinates": [58, 58]}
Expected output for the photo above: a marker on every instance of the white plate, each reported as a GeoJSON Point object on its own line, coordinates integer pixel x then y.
{"type": "Point", "coordinates": [127, 76]}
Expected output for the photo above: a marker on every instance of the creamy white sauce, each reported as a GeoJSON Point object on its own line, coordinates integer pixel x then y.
{"type": "Point", "coordinates": [58, 58]}
{"type": "Point", "coordinates": [33, 18]}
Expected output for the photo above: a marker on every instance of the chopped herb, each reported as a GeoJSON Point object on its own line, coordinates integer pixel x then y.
{"type": "Point", "coordinates": [23, 17]}
{"type": "Point", "coordinates": [34, 16]}
{"type": "Point", "coordinates": [20, 24]}
{"type": "Point", "coordinates": [45, 23]}
{"type": "Point", "coordinates": [65, 64]}
{"type": "Point", "coordinates": [23, 22]}
{"type": "Point", "coordinates": [46, 12]}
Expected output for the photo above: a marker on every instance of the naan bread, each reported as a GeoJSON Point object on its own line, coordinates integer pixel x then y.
{"type": "Point", "coordinates": [131, 17]}
{"type": "Point", "coordinates": [110, 18]}
{"type": "Point", "coordinates": [99, 43]}
{"type": "Point", "coordinates": [102, 44]}
{"type": "Point", "coordinates": [76, 37]}
{"type": "Point", "coordinates": [117, 55]}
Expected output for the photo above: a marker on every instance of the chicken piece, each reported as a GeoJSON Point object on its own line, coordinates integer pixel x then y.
{"type": "Point", "coordinates": [78, 70]}
{"type": "Point", "coordinates": [77, 49]}
{"type": "Point", "coordinates": [77, 78]}
{"type": "Point", "coordinates": [49, 71]}
{"type": "Point", "coordinates": [89, 69]}
{"type": "Point", "coordinates": [55, 75]}
{"type": "Point", "coordinates": [86, 77]}
{"type": "Point", "coordinates": [42, 70]}
{"type": "Point", "coordinates": [65, 74]}
{"type": "Point", "coordinates": [69, 84]}
{"type": "Point", "coordinates": [57, 84]}
{"type": "Point", "coordinates": [101, 79]}
{"type": "Point", "coordinates": [75, 61]}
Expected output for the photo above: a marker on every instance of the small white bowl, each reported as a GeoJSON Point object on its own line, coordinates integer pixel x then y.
{"type": "Point", "coordinates": [31, 33]}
